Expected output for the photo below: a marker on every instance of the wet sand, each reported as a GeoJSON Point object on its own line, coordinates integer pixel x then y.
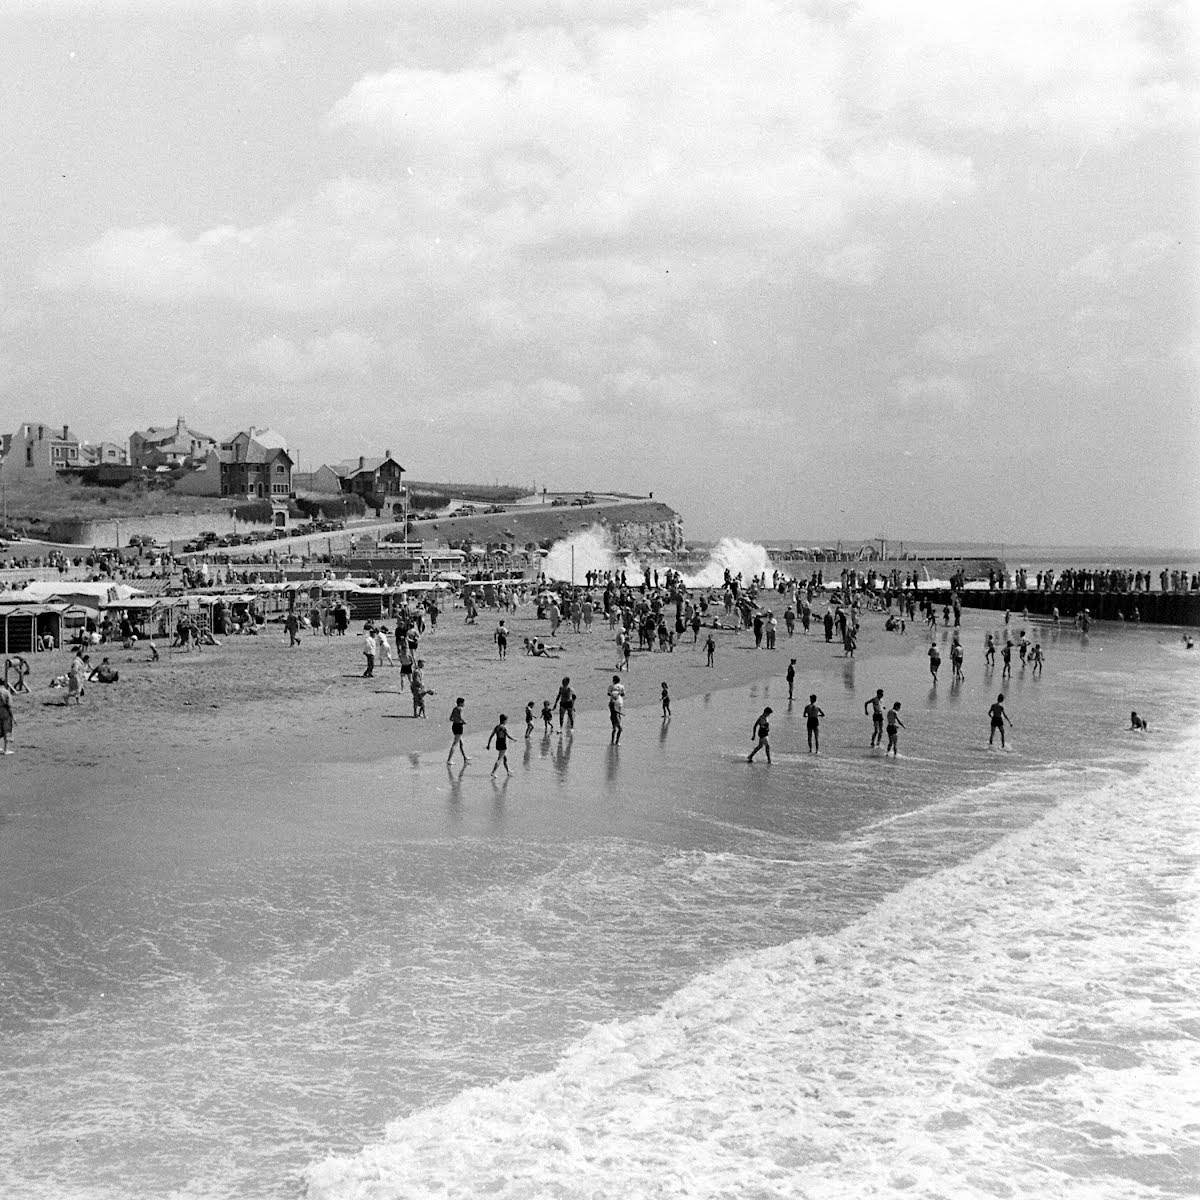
{"type": "Point", "coordinates": [255, 700]}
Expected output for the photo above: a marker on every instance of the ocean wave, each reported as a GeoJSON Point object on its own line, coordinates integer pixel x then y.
{"type": "Point", "coordinates": [1011, 1025]}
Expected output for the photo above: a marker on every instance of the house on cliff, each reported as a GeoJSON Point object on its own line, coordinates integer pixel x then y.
{"type": "Point", "coordinates": [37, 451]}
{"type": "Point", "coordinates": [175, 445]}
{"type": "Point", "coordinates": [254, 464]}
{"type": "Point", "coordinates": [378, 481]}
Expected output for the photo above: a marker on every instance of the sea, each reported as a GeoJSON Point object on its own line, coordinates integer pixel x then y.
{"type": "Point", "coordinates": [649, 971]}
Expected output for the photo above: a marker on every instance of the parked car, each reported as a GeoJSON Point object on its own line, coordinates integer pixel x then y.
{"type": "Point", "coordinates": [495, 508]}
{"type": "Point", "coordinates": [466, 510]}
{"type": "Point", "coordinates": [559, 502]}
{"type": "Point", "coordinates": [208, 536]}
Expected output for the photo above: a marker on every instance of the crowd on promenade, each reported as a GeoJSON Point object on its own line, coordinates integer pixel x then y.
{"type": "Point", "coordinates": [1073, 579]}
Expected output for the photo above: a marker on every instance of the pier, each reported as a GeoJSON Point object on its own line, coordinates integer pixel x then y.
{"type": "Point", "coordinates": [1147, 608]}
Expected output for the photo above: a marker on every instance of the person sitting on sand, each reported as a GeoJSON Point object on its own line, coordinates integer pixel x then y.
{"type": "Point", "coordinates": [539, 649]}
{"type": "Point", "coordinates": [1139, 723]}
{"type": "Point", "coordinates": [103, 672]}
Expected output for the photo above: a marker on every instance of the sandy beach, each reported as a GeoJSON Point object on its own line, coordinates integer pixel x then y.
{"type": "Point", "coordinates": [255, 699]}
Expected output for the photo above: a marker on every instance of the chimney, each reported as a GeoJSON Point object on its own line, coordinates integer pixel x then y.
{"type": "Point", "coordinates": [387, 454]}
{"type": "Point", "coordinates": [362, 461]}
{"type": "Point", "coordinates": [66, 434]}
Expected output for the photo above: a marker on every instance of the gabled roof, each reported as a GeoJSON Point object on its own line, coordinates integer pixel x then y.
{"type": "Point", "coordinates": [254, 452]}
{"type": "Point", "coordinates": [349, 467]}
{"type": "Point", "coordinates": [263, 436]}
{"type": "Point", "coordinates": [156, 434]}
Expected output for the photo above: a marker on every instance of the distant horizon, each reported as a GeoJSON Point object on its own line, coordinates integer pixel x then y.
{"type": "Point", "coordinates": [972, 547]}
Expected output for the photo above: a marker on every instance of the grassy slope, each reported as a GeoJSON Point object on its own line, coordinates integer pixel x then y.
{"type": "Point", "coordinates": [36, 502]}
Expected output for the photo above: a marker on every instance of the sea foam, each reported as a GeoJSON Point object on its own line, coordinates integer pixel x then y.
{"type": "Point", "coordinates": [1018, 1024]}
{"type": "Point", "coordinates": [593, 549]}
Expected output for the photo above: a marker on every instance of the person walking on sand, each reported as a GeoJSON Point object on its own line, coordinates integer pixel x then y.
{"type": "Point", "coordinates": [6, 717]}
{"type": "Point", "coordinates": [547, 717]}
{"type": "Point", "coordinates": [566, 705]}
{"type": "Point", "coordinates": [500, 637]}
{"type": "Point", "coordinates": [529, 720]}
{"type": "Point", "coordinates": [998, 716]}
{"type": "Point", "coordinates": [812, 720]}
{"type": "Point", "coordinates": [75, 676]}
{"type": "Point", "coordinates": [894, 725]}
{"type": "Point", "coordinates": [761, 735]}
{"type": "Point", "coordinates": [666, 702]}
{"type": "Point", "coordinates": [458, 724]}
{"type": "Point", "coordinates": [875, 707]}
{"type": "Point", "coordinates": [1006, 655]}
{"type": "Point", "coordinates": [989, 650]}
{"type": "Point", "coordinates": [710, 648]}
{"type": "Point", "coordinates": [500, 736]}
{"type": "Point", "coordinates": [369, 653]}
{"type": "Point", "coordinates": [935, 660]}
{"type": "Point", "coordinates": [383, 648]}
{"type": "Point", "coordinates": [418, 688]}
{"type": "Point", "coordinates": [616, 709]}
{"type": "Point", "coordinates": [791, 678]}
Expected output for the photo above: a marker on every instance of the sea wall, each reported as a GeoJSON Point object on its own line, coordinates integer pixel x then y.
{"type": "Point", "coordinates": [1152, 608]}
{"type": "Point", "coordinates": [163, 527]}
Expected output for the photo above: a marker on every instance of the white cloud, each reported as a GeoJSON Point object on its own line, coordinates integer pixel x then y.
{"type": "Point", "coordinates": [933, 392]}
{"type": "Point", "coordinates": [955, 344]}
{"type": "Point", "coordinates": [856, 263]}
{"type": "Point", "coordinates": [341, 352]}
{"type": "Point", "coordinates": [1117, 260]}
{"type": "Point", "coordinates": [720, 130]}
{"type": "Point", "coordinates": [1090, 70]}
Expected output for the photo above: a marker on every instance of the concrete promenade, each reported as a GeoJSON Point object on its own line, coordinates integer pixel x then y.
{"type": "Point", "coordinates": [1151, 608]}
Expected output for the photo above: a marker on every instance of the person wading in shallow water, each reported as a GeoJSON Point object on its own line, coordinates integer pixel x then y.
{"type": "Point", "coordinates": [998, 716]}
{"type": "Point", "coordinates": [875, 707]}
{"type": "Point", "coordinates": [500, 736]}
{"type": "Point", "coordinates": [894, 725]}
{"type": "Point", "coordinates": [458, 725]}
{"type": "Point", "coordinates": [812, 719]}
{"type": "Point", "coordinates": [761, 733]}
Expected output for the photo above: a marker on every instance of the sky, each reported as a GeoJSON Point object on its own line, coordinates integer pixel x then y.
{"type": "Point", "coordinates": [925, 270]}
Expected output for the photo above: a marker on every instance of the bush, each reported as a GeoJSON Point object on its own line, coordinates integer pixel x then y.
{"type": "Point", "coordinates": [257, 512]}
{"type": "Point", "coordinates": [332, 508]}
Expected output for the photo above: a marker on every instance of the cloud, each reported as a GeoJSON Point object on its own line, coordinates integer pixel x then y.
{"type": "Point", "coordinates": [342, 352]}
{"type": "Point", "coordinates": [933, 392]}
{"type": "Point", "coordinates": [856, 264]}
{"type": "Point", "coordinates": [1116, 260]}
{"type": "Point", "coordinates": [1093, 71]}
{"type": "Point", "coordinates": [955, 344]}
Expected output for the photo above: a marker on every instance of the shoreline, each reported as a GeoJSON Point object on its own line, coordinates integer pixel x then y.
{"type": "Point", "coordinates": [256, 699]}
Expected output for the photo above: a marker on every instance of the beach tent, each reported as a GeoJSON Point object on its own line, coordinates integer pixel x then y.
{"type": "Point", "coordinates": [22, 624]}
{"type": "Point", "coordinates": [88, 594]}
